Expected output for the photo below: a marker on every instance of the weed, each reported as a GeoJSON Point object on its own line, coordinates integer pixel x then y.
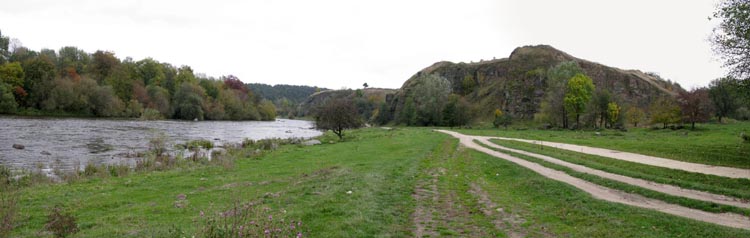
{"type": "Point", "coordinates": [8, 210]}
{"type": "Point", "coordinates": [158, 144]}
{"type": "Point", "coordinates": [61, 223]}
{"type": "Point", "coordinates": [198, 144]}
{"type": "Point", "coordinates": [248, 220]}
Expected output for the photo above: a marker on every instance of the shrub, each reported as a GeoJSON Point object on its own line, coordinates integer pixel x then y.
{"type": "Point", "coordinates": [158, 144]}
{"type": "Point", "coordinates": [90, 169]}
{"type": "Point", "coordinates": [249, 220]}
{"type": "Point", "coordinates": [197, 144]}
{"type": "Point", "coordinates": [8, 210]}
{"type": "Point", "coordinates": [151, 114]}
{"type": "Point", "coordinates": [60, 223]}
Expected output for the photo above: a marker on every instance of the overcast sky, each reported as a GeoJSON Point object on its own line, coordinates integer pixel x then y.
{"type": "Point", "coordinates": [345, 43]}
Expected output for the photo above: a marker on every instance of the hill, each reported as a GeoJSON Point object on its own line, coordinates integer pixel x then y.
{"type": "Point", "coordinates": [368, 101]}
{"type": "Point", "coordinates": [294, 93]}
{"type": "Point", "coordinates": [518, 84]}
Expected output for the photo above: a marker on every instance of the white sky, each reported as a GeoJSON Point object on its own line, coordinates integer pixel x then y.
{"type": "Point", "coordinates": [344, 43]}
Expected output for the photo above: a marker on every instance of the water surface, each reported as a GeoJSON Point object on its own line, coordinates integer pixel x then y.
{"type": "Point", "coordinates": [69, 144]}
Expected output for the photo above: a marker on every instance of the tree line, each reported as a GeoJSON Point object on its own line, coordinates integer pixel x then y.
{"type": "Point", "coordinates": [70, 81]}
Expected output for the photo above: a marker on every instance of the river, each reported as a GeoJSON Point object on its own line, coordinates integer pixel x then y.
{"type": "Point", "coordinates": [68, 144]}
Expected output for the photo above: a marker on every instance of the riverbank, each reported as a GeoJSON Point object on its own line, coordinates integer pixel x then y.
{"type": "Point", "coordinates": [400, 182]}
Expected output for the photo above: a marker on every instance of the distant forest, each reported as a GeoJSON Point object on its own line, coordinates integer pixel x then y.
{"type": "Point", "coordinates": [72, 82]}
{"type": "Point", "coordinates": [285, 97]}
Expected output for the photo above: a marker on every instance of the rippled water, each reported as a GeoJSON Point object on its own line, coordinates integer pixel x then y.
{"type": "Point", "coordinates": [68, 144]}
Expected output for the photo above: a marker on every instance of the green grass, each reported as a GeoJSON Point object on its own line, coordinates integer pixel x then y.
{"type": "Point", "coordinates": [709, 183]}
{"type": "Point", "coordinates": [554, 207]}
{"type": "Point", "coordinates": [686, 202]}
{"type": "Point", "coordinates": [713, 144]}
{"type": "Point", "coordinates": [382, 168]}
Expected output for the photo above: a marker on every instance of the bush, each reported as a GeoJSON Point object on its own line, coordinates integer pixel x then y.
{"type": "Point", "coordinates": [8, 210]}
{"type": "Point", "coordinates": [197, 144]}
{"type": "Point", "coordinates": [151, 114]}
{"type": "Point", "coordinates": [60, 223]}
{"type": "Point", "coordinates": [158, 144]}
{"type": "Point", "coordinates": [249, 220]}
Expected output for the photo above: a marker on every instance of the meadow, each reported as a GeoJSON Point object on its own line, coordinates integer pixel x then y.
{"type": "Point", "coordinates": [401, 182]}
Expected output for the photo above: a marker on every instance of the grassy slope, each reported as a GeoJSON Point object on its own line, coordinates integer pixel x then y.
{"type": "Point", "coordinates": [380, 167]}
{"type": "Point", "coordinates": [709, 144]}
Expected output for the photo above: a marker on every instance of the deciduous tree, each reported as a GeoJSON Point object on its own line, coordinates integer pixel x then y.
{"type": "Point", "coordinates": [665, 111]}
{"type": "Point", "coordinates": [731, 38]}
{"type": "Point", "coordinates": [557, 80]}
{"type": "Point", "coordinates": [695, 106]}
{"type": "Point", "coordinates": [635, 115]}
{"type": "Point", "coordinates": [723, 95]}
{"type": "Point", "coordinates": [338, 115]}
{"type": "Point", "coordinates": [578, 94]}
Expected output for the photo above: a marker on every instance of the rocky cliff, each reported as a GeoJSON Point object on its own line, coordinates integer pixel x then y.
{"type": "Point", "coordinates": [518, 83]}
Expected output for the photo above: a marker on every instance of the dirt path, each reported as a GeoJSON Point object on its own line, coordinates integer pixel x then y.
{"type": "Point", "coordinates": [643, 159]}
{"type": "Point", "coordinates": [439, 210]}
{"type": "Point", "coordinates": [604, 193]}
{"type": "Point", "coordinates": [659, 187]}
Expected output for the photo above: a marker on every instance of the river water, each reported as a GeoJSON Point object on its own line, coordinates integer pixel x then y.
{"type": "Point", "coordinates": [69, 144]}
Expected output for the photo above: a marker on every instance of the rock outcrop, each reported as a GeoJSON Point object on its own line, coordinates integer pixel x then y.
{"type": "Point", "coordinates": [518, 83]}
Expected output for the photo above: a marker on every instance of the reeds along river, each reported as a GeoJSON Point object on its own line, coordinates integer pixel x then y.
{"type": "Point", "coordinates": [68, 144]}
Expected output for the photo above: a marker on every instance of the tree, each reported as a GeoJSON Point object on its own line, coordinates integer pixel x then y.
{"type": "Point", "coordinates": [600, 107]}
{"type": "Point", "coordinates": [665, 111]}
{"type": "Point", "coordinates": [635, 115]}
{"type": "Point", "coordinates": [338, 115]}
{"type": "Point", "coordinates": [72, 62]}
{"type": "Point", "coordinates": [40, 73]}
{"type": "Point", "coordinates": [695, 106]}
{"type": "Point", "coordinates": [384, 115]}
{"type": "Point", "coordinates": [430, 96]}
{"type": "Point", "coordinates": [578, 94]}
{"type": "Point", "coordinates": [188, 102]}
{"type": "Point", "coordinates": [158, 98]}
{"type": "Point", "coordinates": [613, 112]}
{"type": "Point", "coordinates": [731, 38]}
{"type": "Point", "coordinates": [185, 75]}
{"type": "Point", "coordinates": [8, 103]}
{"type": "Point", "coordinates": [4, 42]}
{"type": "Point", "coordinates": [267, 110]}
{"type": "Point", "coordinates": [103, 63]}
{"type": "Point", "coordinates": [557, 79]}
{"type": "Point", "coordinates": [150, 72]}
{"type": "Point", "coordinates": [501, 119]}
{"type": "Point", "coordinates": [12, 74]}
{"type": "Point", "coordinates": [723, 95]}
{"type": "Point", "coordinates": [456, 111]}
{"type": "Point", "coordinates": [365, 85]}
{"type": "Point", "coordinates": [468, 84]}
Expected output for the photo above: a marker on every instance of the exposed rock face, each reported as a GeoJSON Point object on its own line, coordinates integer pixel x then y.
{"type": "Point", "coordinates": [518, 83]}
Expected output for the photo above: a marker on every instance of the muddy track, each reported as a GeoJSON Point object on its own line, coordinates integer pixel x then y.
{"type": "Point", "coordinates": [641, 159]}
{"type": "Point", "coordinates": [659, 187]}
{"type": "Point", "coordinates": [611, 195]}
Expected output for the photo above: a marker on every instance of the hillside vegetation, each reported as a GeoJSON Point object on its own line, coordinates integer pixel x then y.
{"type": "Point", "coordinates": [518, 85]}
{"type": "Point", "coordinates": [72, 82]}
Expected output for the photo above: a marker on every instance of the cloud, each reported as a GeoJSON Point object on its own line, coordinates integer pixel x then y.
{"type": "Point", "coordinates": [335, 43]}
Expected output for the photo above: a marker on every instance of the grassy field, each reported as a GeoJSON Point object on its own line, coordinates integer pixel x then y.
{"type": "Point", "coordinates": [710, 183]}
{"type": "Point", "coordinates": [712, 144]}
{"type": "Point", "coordinates": [719, 185]}
{"type": "Point", "coordinates": [379, 183]}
